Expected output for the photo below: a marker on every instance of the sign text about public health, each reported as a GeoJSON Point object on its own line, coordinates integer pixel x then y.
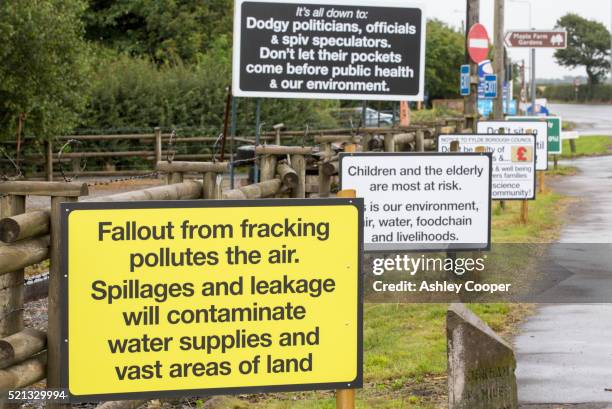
{"type": "Point", "coordinates": [229, 298]}
{"type": "Point", "coordinates": [339, 49]}
{"type": "Point", "coordinates": [422, 201]}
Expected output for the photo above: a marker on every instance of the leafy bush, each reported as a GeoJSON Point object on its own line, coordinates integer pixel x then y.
{"type": "Point", "coordinates": [586, 93]}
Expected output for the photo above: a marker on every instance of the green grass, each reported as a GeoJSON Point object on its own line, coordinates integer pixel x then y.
{"type": "Point", "coordinates": [594, 145]}
{"type": "Point", "coordinates": [405, 344]}
{"type": "Point", "coordinates": [543, 220]}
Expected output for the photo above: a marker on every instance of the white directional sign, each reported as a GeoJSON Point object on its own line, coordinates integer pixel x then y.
{"type": "Point", "coordinates": [513, 156]}
{"type": "Point", "coordinates": [536, 39]}
{"type": "Point", "coordinates": [422, 201]}
{"type": "Point", "coordinates": [537, 128]}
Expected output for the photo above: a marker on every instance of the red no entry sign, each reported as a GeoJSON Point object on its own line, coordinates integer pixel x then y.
{"type": "Point", "coordinates": [478, 43]}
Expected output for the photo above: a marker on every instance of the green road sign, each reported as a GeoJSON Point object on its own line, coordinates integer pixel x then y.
{"type": "Point", "coordinates": [555, 123]}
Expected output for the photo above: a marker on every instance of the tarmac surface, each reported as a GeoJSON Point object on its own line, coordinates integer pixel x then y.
{"type": "Point", "coordinates": [590, 119]}
{"type": "Point", "coordinates": [564, 351]}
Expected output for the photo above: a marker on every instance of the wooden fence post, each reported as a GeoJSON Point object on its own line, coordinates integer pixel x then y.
{"type": "Point", "coordinates": [49, 160]}
{"type": "Point", "coordinates": [209, 181]}
{"type": "Point", "coordinates": [174, 178]}
{"type": "Point", "coordinates": [298, 163]}
{"type": "Point", "coordinates": [420, 141]}
{"type": "Point", "coordinates": [324, 179]}
{"type": "Point", "coordinates": [158, 145]}
{"type": "Point", "coordinates": [389, 143]}
{"type": "Point", "coordinates": [268, 167]}
{"type": "Point", "coordinates": [524, 211]}
{"type": "Point", "coordinates": [54, 339]}
{"type": "Point", "coordinates": [11, 284]}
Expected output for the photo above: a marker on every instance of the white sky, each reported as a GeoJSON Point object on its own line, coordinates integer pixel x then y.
{"type": "Point", "coordinates": [545, 14]}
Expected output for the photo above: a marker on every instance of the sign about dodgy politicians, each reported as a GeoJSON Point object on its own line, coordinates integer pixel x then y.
{"type": "Point", "coordinates": [340, 49]}
{"type": "Point", "coordinates": [514, 168]}
{"type": "Point", "coordinates": [422, 201]}
{"type": "Point", "coordinates": [191, 298]}
{"type": "Point", "coordinates": [538, 128]}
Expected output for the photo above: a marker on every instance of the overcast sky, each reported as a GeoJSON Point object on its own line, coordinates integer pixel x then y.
{"type": "Point", "coordinates": [545, 14]}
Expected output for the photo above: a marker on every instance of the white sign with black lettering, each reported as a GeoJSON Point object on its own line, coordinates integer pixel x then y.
{"type": "Point", "coordinates": [338, 49]}
{"type": "Point", "coordinates": [514, 168]}
{"type": "Point", "coordinates": [422, 201]}
{"type": "Point", "coordinates": [538, 128]}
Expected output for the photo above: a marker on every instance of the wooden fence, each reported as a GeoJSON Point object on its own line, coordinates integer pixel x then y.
{"type": "Point", "coordinates": [156, 146]}
{"type": "Point", "coordinates": [27, 355]}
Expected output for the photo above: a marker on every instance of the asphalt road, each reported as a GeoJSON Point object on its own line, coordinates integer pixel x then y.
{"type": "Point", "coordinates": [591, 119]}
{"type": "Point", "coordinates": [564, 351]}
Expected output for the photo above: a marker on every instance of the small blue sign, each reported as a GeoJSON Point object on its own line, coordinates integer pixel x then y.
{"type": "Point", "coordinates": [465, 80]}
{"type": "Point", "coordinates": [490, 86]}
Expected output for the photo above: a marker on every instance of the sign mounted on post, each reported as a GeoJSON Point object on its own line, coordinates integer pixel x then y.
{"type": "Point", "coordinates": [555, 127]}
{"type": "Point", "coordinates": [536, 39]}
{"type": "Point", "coordinates": [490, 86]}
{"type": "Point", "coordinates": [513, 156]}
{"type": "Point", "coordinates": [478, 43]}
{"type": "Point", "coordinates": [465, 80]}
{"type": "Point", "coordinates": [211, 297]}
{"type": "Point", "coordinates": [535, 127]}
{"type": "Point", "coordinates": [422, 201]}
{"type": "Point", "coordinates": [357, 49]}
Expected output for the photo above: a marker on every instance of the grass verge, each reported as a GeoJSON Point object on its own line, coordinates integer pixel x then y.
{"type": "Point", "coordinates": [405, 344]}
{"type": "Point", "coordinates": [593, 145]}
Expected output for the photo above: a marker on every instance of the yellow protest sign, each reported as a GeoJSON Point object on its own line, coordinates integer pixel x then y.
{"type": "Point", "coordinates": [173, 298]}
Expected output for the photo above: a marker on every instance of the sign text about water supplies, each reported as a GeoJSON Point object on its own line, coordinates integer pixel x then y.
{"type": "Point", "coordinates": [422, 201]}
{"type": "Point", "coordinates": [513, 156]}
{"type": "Point", "coordinates": [340, 49]}
{"type": "Point", "coordinates": [214, 297]}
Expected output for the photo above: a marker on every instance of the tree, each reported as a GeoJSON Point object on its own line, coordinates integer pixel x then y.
{"type": "Point", "coordinates": [588, 46]}
{"type": "Point", "coordinates": [43, 66]}
{"type": "Point", "coordinates": [445, 54]}
{"type": "Point", "coordinates": [166, 31]}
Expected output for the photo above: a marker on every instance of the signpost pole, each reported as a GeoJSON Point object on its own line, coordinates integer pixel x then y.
{"type": "Point", "coordinates": [498, 61]}
{"type": "Point", "coordinates": [471, 101]}
{"type": "Point", "coordinates": [257, 138]}
{"type": "Point", "coordinates": [345, 398]}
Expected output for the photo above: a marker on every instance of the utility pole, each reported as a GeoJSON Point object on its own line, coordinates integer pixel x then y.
{"type": "Point", "coordinates": [533, 81]}
{"type": "Point", "coordinates": [471, 101]}
{"type": "Point", "coordinates": [498, 59]}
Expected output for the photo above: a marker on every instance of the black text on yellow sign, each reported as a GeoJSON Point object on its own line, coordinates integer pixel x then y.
{"type": "Point", "coordinates": [180, 298]}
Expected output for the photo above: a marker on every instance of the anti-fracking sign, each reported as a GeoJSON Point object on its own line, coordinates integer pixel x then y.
{"type": "Point", "coordinates": [194, 298]}
{"type": "Point", "coordinates": [357, 49]}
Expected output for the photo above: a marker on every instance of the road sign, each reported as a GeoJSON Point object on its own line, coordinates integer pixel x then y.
{"type": "Point", "coordinates": [465, 80]}
{"type": "Point", "coordinates": [422, 201]}
{"type": "Point", "coordinates": [513, 174]}
{"type": "Point", "coordinates": [189, 298]}
{"type": "Point", "coordinates": [362, 49]}
{"type": "Point", "coordinates": [570, 135]}
{"type": "Point", "coordinates": [478, 43]}
{"type": "Point", "coordinates": [535, 127]}
{"type": "Point", "coordinates": [490, 86]}
{"type": "Point", "coordinates": [536, 39]}
{"type": "Point", "coordinates": [555, 127]}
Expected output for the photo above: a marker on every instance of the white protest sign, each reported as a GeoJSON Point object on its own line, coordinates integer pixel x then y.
{"type": "Point", "coordinates": [422, 201]}
{"type": "Point", "coordinates": [538, 128]}
{"type": "Point", "coordinates": [514, 167]}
